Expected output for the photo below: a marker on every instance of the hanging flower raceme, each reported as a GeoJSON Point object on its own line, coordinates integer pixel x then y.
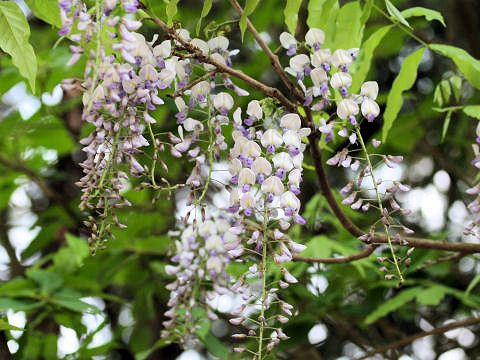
{"type": "Point", "coordinates": [325, 75]}
{"type": "Point", "coordinates": [125, 83]}
{"type": "Point", "coordinates": [200, 257]}
{"type": "Point", "coordinates": [266, 170]}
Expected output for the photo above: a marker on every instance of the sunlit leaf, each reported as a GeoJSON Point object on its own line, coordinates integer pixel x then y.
{"type": "Point", "coordinates": [472, 111]}
{"type": "Point", "coordinates": [397, 15]}
{"type": "Point", "coordinates": [207, 5]}
{"type": "Point", "coordinates": [392, 304]}
{"type": "Point", "coordinates": [456, 82]}
{"type": "Point", "coordinates": [322, 14]}
{"type": "Point", "coordinates": [291, 14]}
{"type": "Point", "coordinates": [4, 325]}
{"type": "Point", "coordinates": [468, 65]}
{"type": "Point", "coordinates": [70, 299]}
{"type": "Point", "coordinates": [446, 124]}
{"type": "Point", "coordinates": [349, 29]}
{"type": "Point", "coordinates": [404, 81]}
{"type": "Point", "coordinates": [361, 67]}
{"type": "Point", "coordinates": [472, 284]}
{"type": "Point", "coordinates": [247, 11]}
{"type": "Point", "coordinates": [14, 40]}
{"type": "Point", "coordinates": [46, 10]}
{"type": "Point", "coordinates": [421, 11]}
{"type": "Point", "coordinates": [171, 11]}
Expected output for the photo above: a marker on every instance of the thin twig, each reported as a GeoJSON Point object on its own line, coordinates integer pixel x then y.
{"type": "Point", "coordinates": [265, 89]}
{"type": "Point", "coordinates": [442, 259]}
{"type": "Point", "coordinates": [410, 339]}
{"type": "Point", "coordinates": [468, 248]}
{"type": "Point", "coordinates": [273, 58]}
{"type": "Point", "coordinates": [316, 152]}
{"type": "Point", "coordinates": [181, 91]}
{"type": "Point", "coordinates": [369, 249]}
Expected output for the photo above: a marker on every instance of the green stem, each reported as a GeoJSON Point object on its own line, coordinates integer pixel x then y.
{"type": "Point", "coordinates": [210, 153]}
{"type": "Point", "coordinates": [107, 168]}
{"type": "Point", "coordinates": [379, 200]}
{"type": "Point", "coordinates": [155, 154]}
{"type": "Point", "coordinates": [98, 16]}
{"type": "Point", "coordinates": [402, 27]}
{"type": "Point", "coordinates": [263, 271]}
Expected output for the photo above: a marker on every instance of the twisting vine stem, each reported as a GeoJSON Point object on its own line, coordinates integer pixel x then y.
{"type": "Point", "coordinates": [379, 200]}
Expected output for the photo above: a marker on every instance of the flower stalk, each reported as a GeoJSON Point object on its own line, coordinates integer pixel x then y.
{"type": "Point", "coordinates": [379, 200]}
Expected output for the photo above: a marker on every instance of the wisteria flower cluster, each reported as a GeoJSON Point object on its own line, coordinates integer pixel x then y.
{"type": "Point", "coordinates": [201, 256]}
{"type": "Point", "coordinates": [330, 81]}
{"type": "Point", "coordinates": [128, 79]}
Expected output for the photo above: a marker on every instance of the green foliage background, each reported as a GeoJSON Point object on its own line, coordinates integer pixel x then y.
{"type": "Point", "coordinates": [51, 277]}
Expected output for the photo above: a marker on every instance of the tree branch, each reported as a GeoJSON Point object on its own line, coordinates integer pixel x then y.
{"type": "Point", "coordinates": [326, 190]}
{"type": "Point", "coordinates": [467, 248]}
{"type": "Point", "coordinates": [313, 140]}
{"type": "Point", "coordinates": [273, 57]}
{"type": "Point", "coordinates": [442, 259]}
{"type": "Point", "coordinates": [181, 91]}
{"type": "Point", "coordinates": [369, 249]}
{"type": "Point", "coordinates": [265, 89]}
{"type": "Point", "coordinates": [410, 339]}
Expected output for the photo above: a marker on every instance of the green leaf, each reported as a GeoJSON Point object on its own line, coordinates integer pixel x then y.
{"type": "Point", "coordinates": [14, 40]}
{"type": "Point", "coordinates": [207, 5]}
{"type": "Point", "coordinates": [142, 355]}
{"type": "Point", "coordinates": [171, 11]}
{"type": "Point", "coordinates": [431, 296]}
{"type": "Point", "coordinates": [472, 284]}
{"type": "Point", "coordinates": [214, 346]}
{"type": "Point", "coordinates": [349, 28]}
{"type": "Point", "coordinates": [19, 305]}
{"type": "Point", "coordinates": [46, 10]}
{"type": "Point", "coordinates": [467, 64]}
{"type": "Point", "coordinates": [70, 299]}
{"type": "Point", "coordinates": [421, 11]}
{"type": "Point", "coordinates": [456, 82]}
{"type": "Point", "coordinates": [4, 325]}
{"type": "Point", "coordinates": [392, 304]}
{"type": "Point", "coordinates": [319, 247]}
{"type": "Point", "coordinates": [249, 8]}
{"type": "Point", "coordinates": [446, 123]}
{"type": "Point", "coordinates": [50, 347]}
{"type": "Point", "coordinates": [472, 111]}
{"type": "Point", "coordinates": [68, 259]}
{"type": "Point", "coordinates": [79, 246]}
{"type": "Point", "coordinates": [446, 90]}
{"type": "Point", "coordinates": [404, 81]}
{"type": "Point", "coordinates": [49, 281]}
{"type": "Point", "coordinates": [367, 9]}
{"type": "Point", "coordinates": [322, 14]}
{"type": "Point", "coordinates": [397, 15]}
{"type": "Point", "coordinates": [291, 14]}
{"type": "Point", "coordinates": [437, 95]}
{"type": "Point", "coordinates": [51, 133]}
{"type": "Point", "coordinates": [362, 66]}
